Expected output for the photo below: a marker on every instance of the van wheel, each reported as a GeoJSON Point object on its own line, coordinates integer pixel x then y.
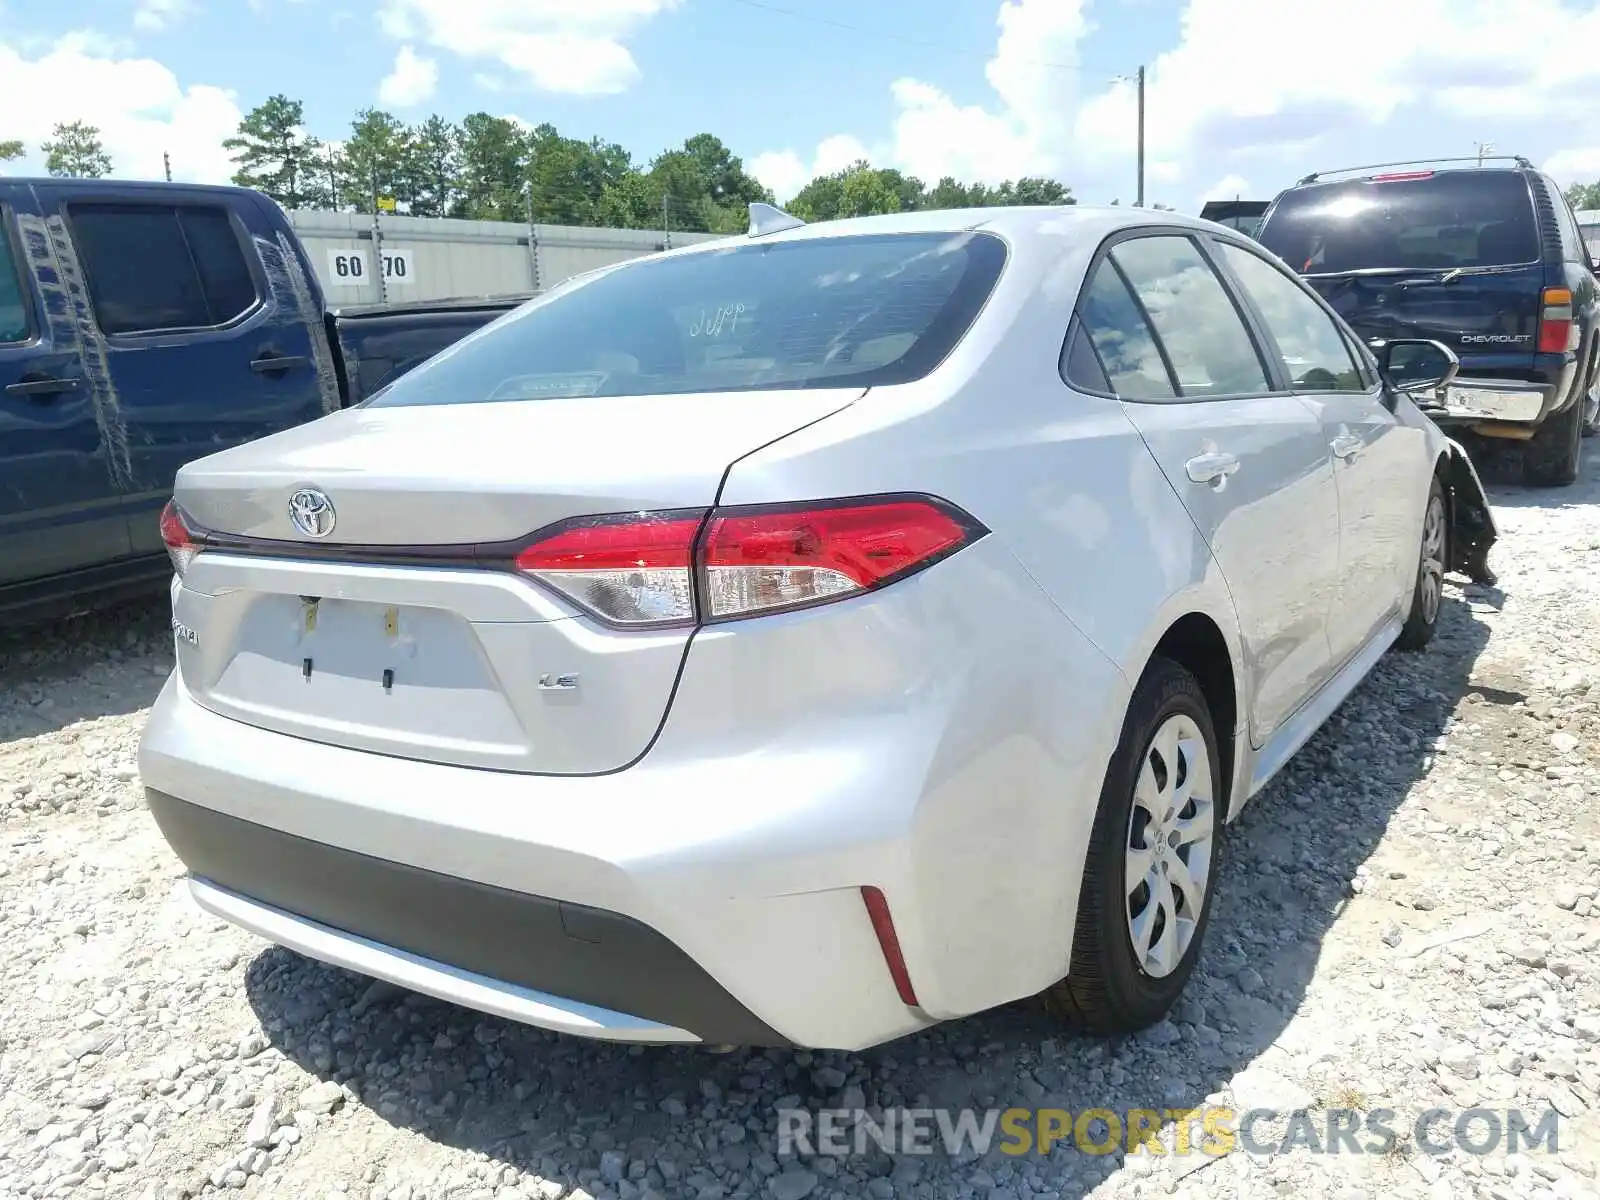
{"type": "Point", "coordinates": [1152, 864]}
{"type": "Point", "coordinates": [1550, 458]}
{"type": "Point", "coordinates": [1427, 596]}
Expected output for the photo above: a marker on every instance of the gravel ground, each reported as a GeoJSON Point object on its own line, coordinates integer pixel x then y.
{"type": "Point", "coordinates": [1410, 919]}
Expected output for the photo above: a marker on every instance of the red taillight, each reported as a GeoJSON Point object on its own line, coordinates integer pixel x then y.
{"type": "Point", "coordinates": [641, 570]}
{"type": "Point", "coordinates": [889, 943]}
{"type": "Point", "coordinates": [179, 537]}
{"type": "Point", "coordinates": [762, 561]}
{"type": "Point", "coordinates": [1400, 176]}
{"type": "Point", "coordinates": [1558, 332]}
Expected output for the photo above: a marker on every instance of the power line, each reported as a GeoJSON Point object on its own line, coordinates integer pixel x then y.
{"type": "Point", "coordinates": [897, 37]}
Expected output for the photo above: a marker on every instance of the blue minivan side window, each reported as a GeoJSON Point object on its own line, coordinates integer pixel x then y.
{"type": "Point", "coordinates": [13, 295]}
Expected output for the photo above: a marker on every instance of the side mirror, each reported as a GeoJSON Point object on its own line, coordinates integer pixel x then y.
{"type": "Point", "coordinates": [1411, 365]}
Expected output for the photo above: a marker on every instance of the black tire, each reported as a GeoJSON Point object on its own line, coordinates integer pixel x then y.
{"type": "Point", "coordinates": [1427, 592]}
{"type": "Point", "coordinates": [1106, 991]}
{"type": "Point", "coordinates": [1550, 458]}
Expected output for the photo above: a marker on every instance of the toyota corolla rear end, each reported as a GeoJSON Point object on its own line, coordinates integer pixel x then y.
{"type": "Point", "coordinates": [481, 689]}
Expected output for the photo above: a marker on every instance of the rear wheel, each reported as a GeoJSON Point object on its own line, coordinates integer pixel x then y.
{"type": "Point", "coordinates": [1427, 596]}
{"type": "Point", "coordinates": [1550, 459]}
{"type": "Point", "coordinates": [1152, 862]}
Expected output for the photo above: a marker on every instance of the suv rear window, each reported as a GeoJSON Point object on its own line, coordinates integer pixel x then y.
{"type": "Point", "coordinates": [816, 312]}
{"type": "Point", "coordinates": [1451, 219]}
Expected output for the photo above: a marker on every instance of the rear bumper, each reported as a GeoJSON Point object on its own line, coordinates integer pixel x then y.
{"type": "Point", "coordinates": [565, 966]}
{"type": "Point", "coordinates": [1478, 400]}
{"type": "Point", "coordinates": [906, 741]}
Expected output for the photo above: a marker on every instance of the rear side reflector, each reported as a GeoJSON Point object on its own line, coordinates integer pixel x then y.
{"type": "Point", "coordinates": [1557, 330]}
{"type": "Point", "coordinates": [889, 943]}
{"type": "Point", "coordinates": [659, 569]}
{"type": "Point", "coordinates": [181, 541]}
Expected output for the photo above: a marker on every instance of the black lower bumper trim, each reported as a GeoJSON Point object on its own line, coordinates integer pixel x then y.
{"type": "Point", "coordinates": [566, 950]}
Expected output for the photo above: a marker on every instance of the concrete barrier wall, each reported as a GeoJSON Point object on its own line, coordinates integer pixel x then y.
{"type": "Point", "coordinates": [430, 258]}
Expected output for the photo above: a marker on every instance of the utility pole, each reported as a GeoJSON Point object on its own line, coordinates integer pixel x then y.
{"type": "Point", "coordinates": [1483, 149]}
{"type": "Point", "coordinates": [166, 163]}
{"type": "Point", "coordinates": [1138, 83]}
{"type": "Point", "coordinates": [666, 230]}
{"type": "Point", "coordinates": [377, 240]}
{"type": "Point", "coordinates": [1140, 201]}
{"type": "Point", "coordinates": [333, 181]}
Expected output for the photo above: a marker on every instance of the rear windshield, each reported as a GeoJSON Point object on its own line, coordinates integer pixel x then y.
{"type": "Point", "coordinates": [1454, 219]}
{"type": "Point", "coordinates": [821, 312]}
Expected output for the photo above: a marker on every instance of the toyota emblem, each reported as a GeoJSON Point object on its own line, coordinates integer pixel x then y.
{"type": "Point", "coordinates": [312, 512]}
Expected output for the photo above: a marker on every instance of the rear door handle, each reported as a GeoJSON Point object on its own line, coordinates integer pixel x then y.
{"type": "Point", "coordinates": [1213, 468]}
{"type": "Point", "coordinates": [273, 364]}
{"type": "Point", "coordinates": [1346, 445]}
{"type": "Point", "coordinates": [43, 387]}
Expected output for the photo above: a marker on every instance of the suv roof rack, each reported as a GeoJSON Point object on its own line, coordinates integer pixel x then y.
{"type": "Point", "coordinates": [1316, 176]}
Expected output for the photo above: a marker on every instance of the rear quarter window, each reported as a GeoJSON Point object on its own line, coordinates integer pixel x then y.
{"type": "Point", "coordinates": [1449, 219]}
{"type": "Point", "coordinates": [814, 312]}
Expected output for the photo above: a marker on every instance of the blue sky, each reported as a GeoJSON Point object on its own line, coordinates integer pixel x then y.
{"type": "Point", "coordinates": [1243, 94]}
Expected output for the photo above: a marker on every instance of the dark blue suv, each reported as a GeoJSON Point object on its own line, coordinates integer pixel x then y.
{"type": "Point", "coordinates": [1486, 258]}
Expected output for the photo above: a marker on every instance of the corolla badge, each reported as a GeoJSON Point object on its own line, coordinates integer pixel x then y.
{"type": "Point", "coordinates": [312, 512]}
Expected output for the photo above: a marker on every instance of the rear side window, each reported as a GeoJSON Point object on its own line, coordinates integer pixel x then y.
{"type": "Point", "coordinates": [156, 268]}
{"type": "Point", "coordinates": [1122, 338]}
{"type": "Point", "coordinates": [1446, 220]}
{"type": "Point", "coordinates": [1206, 341]}
{"type": "Point", "coordinates": [1315, 353]}
{"type": "Point", "coordinates": [13, 296]}
{"type": "Point", "coordinates": [815, 312]}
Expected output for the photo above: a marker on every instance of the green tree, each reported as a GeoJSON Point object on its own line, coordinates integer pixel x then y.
{"type": "Point", "coordinates": [276, 155]}
{"type": "Point", "coordinates": [493, 153]}
{"type": "Point", "coordinates": [860, 190]}
{"type": "Point", "coordinates": [10, 150]}
{"type": "Point", "coordinates": [1030, 191]}
{"type": "Point", "coordinates": [1584, 196]}
{"type": "Point", "coordinates": [74, 151]}
{"type": "Point", "coordinates": [569, 179]}
{"type": "Point", "coordinates": [434, 167]}
{"type": "Point", "coordinates": [377, 161]}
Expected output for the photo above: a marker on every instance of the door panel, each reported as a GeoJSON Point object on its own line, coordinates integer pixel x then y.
{"type": "Point", "coordinates": [204, 346]}
{"type": "Point", "coordinates": [1380, 469]}
{"type": "Point", "coordinates": [1273, 525]}
{"type": "Point", "coordinates": [1378, 465]}
{"type": "Point", "coordinates": [59, 507]}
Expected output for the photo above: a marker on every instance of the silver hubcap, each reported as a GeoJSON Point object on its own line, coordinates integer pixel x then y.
{"type": "Point", "coordinates": [1431, 580]}
{"type": "Point", "coordinates": [1170, 834]}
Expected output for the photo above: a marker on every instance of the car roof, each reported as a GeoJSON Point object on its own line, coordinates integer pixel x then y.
{"type": "Point", "coordinates": [1417, 176]}
{"type": "Point", "coordinates": [1019, 224]}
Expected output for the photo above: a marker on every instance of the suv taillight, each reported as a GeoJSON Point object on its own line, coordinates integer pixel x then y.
{"type": "Point", "coordinates": [673, 568]}
{"type": "Point", "coordinates": [1558, 332]}
{"type": "Point", "coordinates": [179, 536]}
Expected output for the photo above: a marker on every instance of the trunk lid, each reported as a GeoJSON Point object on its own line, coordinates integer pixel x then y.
{"type": "Point", "coordinates": [394, 633]}
{"type": "Point", "coordinates": [1488, 316]}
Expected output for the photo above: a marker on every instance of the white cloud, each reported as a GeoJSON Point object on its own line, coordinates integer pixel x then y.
{"type": "Point", "coordinates": [1580, 164]}
{"type": "Point", "coordinates": [413, 80]}
{"type": "Point", "coordinates": [138, 105]}
{"type": "Point", "coordinates": [155, 15]}
{"type": "Point", "coordinates": [570, 46]}
{"type": "Point", "coordinates": [785, 173]}
{"type": "Point", "coordinates": [1229, 187]}
{"type": "Point", "coordinates": [1249, 86]}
